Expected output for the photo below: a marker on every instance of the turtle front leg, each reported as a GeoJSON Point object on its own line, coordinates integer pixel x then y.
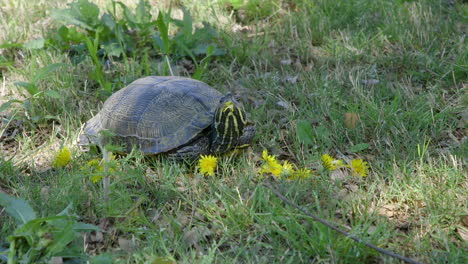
{"type": "Point", "coordinates": [192, 150]}
{"type": "Point", "coordinates": [246, 139]}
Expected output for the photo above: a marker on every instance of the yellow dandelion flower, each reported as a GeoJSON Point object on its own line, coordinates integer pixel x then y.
{"type": "Point", "coordinates": [271, 165]}
{"type": "Point", "coordinates": [330, 163]}
{"type": "Point", "coordinates": [62, 158]}
{"type": "Point", "coordinates": [360, 167]}
{"type": "Point", "coordinates": [208, 164]}
{"type": "Point", "coordinates": [95, 164]}
{"type": "Point", "coordinates": [301, 173]}
{"type": "Point", "coordinates": [287, 169]}
{"type": "Point", "coordinates": [97, 177]}
{"type": "Point", "coordinates": [270, 159]}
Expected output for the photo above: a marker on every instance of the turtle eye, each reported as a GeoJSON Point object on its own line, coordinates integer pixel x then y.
{"type": "Point", "coordinates": [228, 106]}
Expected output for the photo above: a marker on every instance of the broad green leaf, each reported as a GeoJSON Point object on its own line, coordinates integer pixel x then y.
{"type": "Point", "coordinates": [63, 33]}
{"type": "Point", "coordinates": [43, 72]}
{"type": "Point", "coordinates": [3, 254]}
{"type": "Point", "coordinates": [322, 132]}
{"type": "Point", "coordinates": [358, 147]}
{"type": "Point", "coordinates": [35, 44]}
{"type": "Point", "coordinates": [10, 45]}
{"type": "Point", "coordinates": [235, 3]}
{"type": "Point", "coordinates": [17, 208]}
{"type": "Point", "coordinates": [67, 18]}
{"type": "Point", "coordinates": [6, 63]}
{"type": "Point", "coordinates": [85, 11]}
{"type": "Point", "coordinates": [101, 259]}
{"type": "Point", "coordinates": [66, 211]}
{"type": "Point", "coordinates": [6, 105]}
{"type": "Point", "coordinates": [113, 49]}
{"type": "Point", "coordinates": [108, 21]}
{"type": "Point", "coordinates": [163, 30]}
{"type": "Point", "coordinates": [210, 50]}
{"type": "Point", "coordinates": [29, 87]}
{"type": "Point", "coordinates": [305, 132]}
{"type": "Point", "coordinates": [162, 260]}
{"type": "Point", "coordinates": [129, 16]}
{"type": "Point", "coordinates": [187, 22]}
{"type": "Point", "coordinates": [143, 14]}
{"type": "Point", "coordinates": [202, 49]}
{"type": "Point", "coordinates": [76, 36]}
{"type": "Point", "coordinates": [62, 237]}
{"type": "Point", "coordinates": [83, 227]}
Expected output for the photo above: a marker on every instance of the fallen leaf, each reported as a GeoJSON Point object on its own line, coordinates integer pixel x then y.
{"type": "Point", "coordinates": [126, 244]}
{"type": "Point", "coordinates": [298, 64]}
{"type": "Point", "coordinates": [370, 82]}
{"type": "Point", "coordinates": [342, 194]}
{"type": "Point", "coordinates": [45, 191]}
{"type": "Point", "coordinates": [463, 232]}
{"type": "Point", "coordinates": [291, 79]}
{"type": "Point", "coordinates": [339, 175]}
{"type": "Point", "coordinates": [97, 237]}
{"type": "Point", "coordinates": [388, 210]}
{"type": "Point", "coordinates": [309, 67]}
{"type": "Point", "coordinates": [286, 62]}
{"type": "Point", "coordinates": [163, 260]}
{"type": "Point", "coordinates": [351, 120]}
{"type": "Point", "coordinates": [284, 105]}
{"type": "Point", "coordinates": [371, 230]}
{"type": "Point", "coordinates": [183, 219]}
{"type": "Point", "coordinates": [464, 221]}
{"type": "Point", "coordinates": [463, 119]}
{"type": "Point", "coordinates": [192, 237]}
{"type": "Point", "coordinates": [56, 260]}
{"type": "Point", "coordinates": [352, 187]}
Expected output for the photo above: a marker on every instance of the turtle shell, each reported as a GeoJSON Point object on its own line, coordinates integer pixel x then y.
{"type": "Point", "coordinates": [156, 114]}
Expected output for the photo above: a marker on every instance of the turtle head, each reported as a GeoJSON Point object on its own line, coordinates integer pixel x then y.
{"type": "Point", "coordinates": [228, 124]}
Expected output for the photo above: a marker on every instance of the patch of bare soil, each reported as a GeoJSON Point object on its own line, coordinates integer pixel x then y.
{"type": "Point", "coordinates": [9, 129]}
{"type": "Point", "coordinates": [40, 150]}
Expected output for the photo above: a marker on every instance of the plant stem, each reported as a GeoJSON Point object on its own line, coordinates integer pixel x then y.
{"type": "Point", "coordinates": [169, 65]}
{"type": "Point", "coordinates": [11, 255]}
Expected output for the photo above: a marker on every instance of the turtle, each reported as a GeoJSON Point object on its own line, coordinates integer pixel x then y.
{"type": "Point", "coordinates": [179, 116]}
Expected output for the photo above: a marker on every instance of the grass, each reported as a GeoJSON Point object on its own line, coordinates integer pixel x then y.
{"type": "Point", "coordinates": [399, 65]}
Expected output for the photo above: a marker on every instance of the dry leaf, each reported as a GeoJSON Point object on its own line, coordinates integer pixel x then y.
{"type": "Point", "coordinates": [309, 67]}
{"type": "Point", "coordinates": [351, 120]}
{"type": "Point", "coordinates": [45, 191]}
{"type": "Point", "coordinates": [463, 232]}
{"type": "Point", "coordinates": [342, 194]}
{"type": "Point", "coordinates": [286, 62]}
{"type": "Point", "coordinates": [97, 237]}
{"type": "Point", "coordinates": [56, 260]}
{"type": "Point", "coordinates": [388, 210]}
{"type": "Point", "coordinates": [126, 244]}
{"type": "Point", "coordinates": [370, 82]}
{"type": "Point", "coordinates": [163, 260]}
{"type": "Point", "coordinates": [298, 64]}
{"type": "Point", "coordinates": [192, 237]}
{"type": "Point", "coordinates": [352, 187]}
{"type": "Point", "coordinates": [464, 221]}
{"type": "Point", "coordinates": [183, 219]}
{"type": "Point", "coordinates": [371, 230]}
{"type": "Point", "coordinates": [463, 119]}
{"type": "Point", "coordinates": [291, 79]}
{"type": "Point", "coordinates": [284, 105]}
{"type": "Point", "coordinates": [339, 175]}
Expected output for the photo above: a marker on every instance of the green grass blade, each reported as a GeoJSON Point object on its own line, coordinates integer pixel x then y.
{"type": "Point", "coordinates": [17, 208]}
